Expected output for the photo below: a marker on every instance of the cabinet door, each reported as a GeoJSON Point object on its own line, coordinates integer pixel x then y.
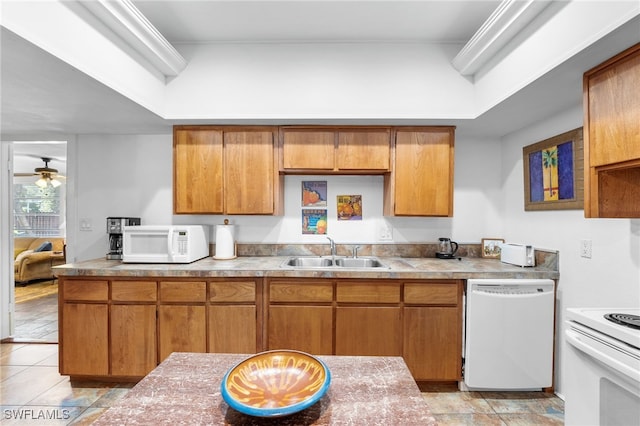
{"type": "Point", "coordinates": [232, 329]}
{"type": "Point", "coordinates": [433, 342]}
{"type": "Point", "coordinates": [304, 328]}
{"type": "Point", "coordinates": [612, 137]}
{"type": "Point", "coordinates": [84, 339]}
{"type": "Point", "coordinates": [133, 340]}
{"type": "Point", "coordinates": [249, 172]}
{"type": "Point", "coordinates": [181, 328]}
{"type": "Point", "coordinates": [614, 111]}
{"type": "Point", "coordinates": [197, 171]}
{"type": "Point", "coordinates": [363, 150]}
{"type": "Point", "coordinates": [308, 149]}
{"type": "Point", "coordinates": [374, 331]}
{"type": "Point", "coordinates": [423, 173]}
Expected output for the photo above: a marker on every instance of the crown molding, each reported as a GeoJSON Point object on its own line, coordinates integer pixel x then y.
{"type": "Point", "coordinates": [505, 22]}
{"type": "Point", "coordinates": [125, 20]}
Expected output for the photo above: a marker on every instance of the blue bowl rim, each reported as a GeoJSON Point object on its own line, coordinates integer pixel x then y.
{"type": "Point", "coordinates": [278, 411]}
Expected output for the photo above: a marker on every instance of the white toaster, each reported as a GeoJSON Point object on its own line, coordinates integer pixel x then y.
{"type": "Point", "coordinates": [518, 254]}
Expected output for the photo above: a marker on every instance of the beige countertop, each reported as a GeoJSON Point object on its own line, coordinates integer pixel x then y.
{"type": "Point", "coordinates": [271, 266]}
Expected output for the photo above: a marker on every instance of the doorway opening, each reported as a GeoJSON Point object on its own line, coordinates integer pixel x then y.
{"type": "Point", "coordinates": [39, 235]}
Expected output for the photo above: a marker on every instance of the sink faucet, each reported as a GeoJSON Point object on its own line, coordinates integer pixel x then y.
{"type": "Point", "coordinates": [332, 246]}
{"type": "Point", "coordinates": [355, 251]}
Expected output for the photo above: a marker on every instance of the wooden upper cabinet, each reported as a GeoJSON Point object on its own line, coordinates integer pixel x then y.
{"type": "Point", "coordinates": [363, 150]}
{"type": "Point", "coordinates": [421, 183]}
{"type": "Point", "coordinates": [226, 170]}
{"type": "Point", "coordinates": [612, 137]}
{"type": "Point", "coordinates": [197, 171]}
{"type": "Point", "coordinates": [249, 172]}
{"type": "Point", "coordinates": [337, 150]}
{"type": "Point", "coordinates": [308, 149]}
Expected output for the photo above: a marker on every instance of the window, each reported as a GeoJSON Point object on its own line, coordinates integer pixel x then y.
{"type": "Point", "coordinates": [38, 212]}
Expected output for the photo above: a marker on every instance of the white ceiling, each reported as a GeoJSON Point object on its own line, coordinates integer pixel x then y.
{"type": "Point", "coordinates": [306, 20]}
{"type": "Point", "coordinates": [44, 96]}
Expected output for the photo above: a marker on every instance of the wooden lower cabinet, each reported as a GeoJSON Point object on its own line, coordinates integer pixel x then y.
{"type": "Point", "coordinates": [232, 329]}
{"type": "Point", "coordinates": [181, 328]}
{"type": "Point", "coordinates": [120, 327]}
{"type": "Point", "coordinates": [84, 327]}
{"type": "Point", "coordinates": [133, 352]}
{"type": "Point", "coordinates": [420, 320]}
{"type": "Point", "coordinates": [300, 315]}
{"type": "Point", "coordinates": [369, 331]}
{"type": "Point", "coordinates": [303, 328]}
{"type": "Point", "coordinates": [123, 328]}
{"type": "Point", "coordinates": [432, 342]}
{"type": "Point", "coordinates": [84, 338]}
{"type": "Point", "coordinates": [233, 316]}
{"type": "Point", "coordinates": [432, 328]}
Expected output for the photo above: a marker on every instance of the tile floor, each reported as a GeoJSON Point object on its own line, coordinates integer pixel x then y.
{"type": "Point", "coordinates": [32, 392]}
{"type": "Point", "coordinates": [36, 320]}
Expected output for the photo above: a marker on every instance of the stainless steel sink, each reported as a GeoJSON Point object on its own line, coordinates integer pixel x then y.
{"type": "Point", "coordinates": [309, 262]}
{"type": "Point", "coordinates": [329, 262]}
{"type": "Point", "coordinates": [359, 262]}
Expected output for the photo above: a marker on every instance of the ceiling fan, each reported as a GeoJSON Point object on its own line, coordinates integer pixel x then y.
{"type": "Point", "coordinates": [48, 175]}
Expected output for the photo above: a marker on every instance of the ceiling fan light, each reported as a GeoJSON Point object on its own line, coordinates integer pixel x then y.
{"type": "Point", "coordinates": [42, 183]}
{"type": "Point", "coordinates": [55, 183]}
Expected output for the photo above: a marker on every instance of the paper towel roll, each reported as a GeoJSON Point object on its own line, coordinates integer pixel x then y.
{"type": "Point", "coordinates": [225, 242]}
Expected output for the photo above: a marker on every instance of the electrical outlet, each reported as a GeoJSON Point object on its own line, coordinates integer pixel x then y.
{"type": "Point", "coordinates": [85, 224]}
{"type": "Point", "coordinates": [386, 232]}
{"type": "Point", "coordinates": [585, 248]}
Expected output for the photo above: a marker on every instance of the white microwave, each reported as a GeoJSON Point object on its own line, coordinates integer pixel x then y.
{"type": "Point", "coordinates": [164, 243]}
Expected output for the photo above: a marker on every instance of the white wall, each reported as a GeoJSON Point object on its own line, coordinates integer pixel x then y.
{"type": "Point", "coordinates": [119, 176]}
{"type": "Point", "coordinates": [132, 176]}
{"type": "Point", "coordinates": [319, 81]}
{"type": "Point", "coordinates": [611, 278]}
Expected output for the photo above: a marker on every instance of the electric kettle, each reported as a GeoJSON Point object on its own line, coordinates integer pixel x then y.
{"type": "Point", "coordinates": [446, 248]}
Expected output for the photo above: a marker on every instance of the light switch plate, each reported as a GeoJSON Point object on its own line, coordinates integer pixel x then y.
{"type": "Point", "coordinates": [585, 249]}
{"type": "Point", "coordinates": [385, 231]}
{"type": "Point", "coordinates": [85, 224]}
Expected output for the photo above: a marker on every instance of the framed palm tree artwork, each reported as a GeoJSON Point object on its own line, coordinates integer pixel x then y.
{"type": "Point", "coordinates": [553, 173]}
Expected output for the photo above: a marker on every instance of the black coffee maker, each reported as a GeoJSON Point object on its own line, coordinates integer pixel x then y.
{"type": "Point", "coordinates": [115, 227]}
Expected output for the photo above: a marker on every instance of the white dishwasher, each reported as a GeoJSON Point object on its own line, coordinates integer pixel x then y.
{"type": "Point", "coordinates": [509, 334]}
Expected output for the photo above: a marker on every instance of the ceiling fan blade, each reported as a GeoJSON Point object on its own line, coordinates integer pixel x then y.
{"type": "Point", "coordinates": [25, 174]}
{"type": "Point", "coordinates": [39, 157]}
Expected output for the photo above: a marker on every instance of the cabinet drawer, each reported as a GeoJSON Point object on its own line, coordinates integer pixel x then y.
{"type": "Point", "coordinates": [293, 292]}
{"type": "Point", "coordinates": [431, 293]}
{"type": "Point", "coordinates": [86, 290]}
{"type": "Point", "coordinates": [368, 293]}
{"type": "Point", "coordinates": [244, 291]}
{"type": "Point", "coordinates": [183, 291]}
{"type": "Point", "coordinates": [134, 291]}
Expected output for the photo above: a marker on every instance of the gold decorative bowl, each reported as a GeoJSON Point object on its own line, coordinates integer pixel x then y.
{"type": "Point", "coordinates": [275, 383]}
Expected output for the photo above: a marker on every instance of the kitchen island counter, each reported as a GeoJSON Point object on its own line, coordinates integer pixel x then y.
{"type": "Point", "coordinates": [271, 266]}
{"type": "Point", "coordinates": [185, 389]}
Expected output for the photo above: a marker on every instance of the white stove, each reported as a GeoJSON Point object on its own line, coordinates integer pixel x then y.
{"type": "Point", "coordinates": [595, 318]}
{"type": "Point", "coordinates": [602, 366]}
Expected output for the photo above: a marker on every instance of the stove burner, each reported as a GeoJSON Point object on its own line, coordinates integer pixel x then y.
{"type": "Point", "coordinates": [626, 320]}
